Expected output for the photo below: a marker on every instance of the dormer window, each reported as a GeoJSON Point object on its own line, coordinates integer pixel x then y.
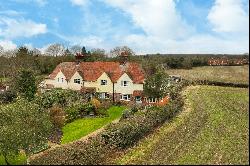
{"type": "Point", "coordinates": [104, 82]}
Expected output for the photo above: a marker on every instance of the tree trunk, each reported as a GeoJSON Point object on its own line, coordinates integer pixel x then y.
{"type": "Point", "coordinates": [5, 159]}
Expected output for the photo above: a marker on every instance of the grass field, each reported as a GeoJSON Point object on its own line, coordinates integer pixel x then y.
{"type": "Point", "coordinates": [231, 74]}
{"type": "Point", "coordinates": [213, 129]}
{"type": "Point", "coordinates": [82, 127]}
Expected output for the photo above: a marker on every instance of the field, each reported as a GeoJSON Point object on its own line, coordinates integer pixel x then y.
{"type": "Point", "coordinates": [212, 129]}
{"type": "Point", "coordinates": [229, 74]}
{"type": "Point", "coordinates": [82, 127]}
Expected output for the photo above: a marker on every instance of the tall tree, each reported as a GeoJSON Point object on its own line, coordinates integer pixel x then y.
{"type": "Point", "coordinates": [84, 50]}
{"type": "Point", "coordinates": [23, 127]}
{"type": "Point", "coordinates": [22, 52]}
{"type": "Point", "coordinates": [75, 49]}
{"type": "Point", "coordinates": [25, 84]}
{"type": "Point", "coordinates": [118, 50]}
{"type": "Point", "coordinates": [35, 52]}
{"type": "Point", "coordinates": [55, 50]}
{"type": "Point", "coordinates": [157, 85]}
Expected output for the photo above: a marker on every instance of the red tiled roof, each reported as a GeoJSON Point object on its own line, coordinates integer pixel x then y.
{"type": "Point", "coordinates": [67, 68]}
{"type": "Point", "coordinates": [137, 93]}
{"type": "Point", "coordinates": [91, 71]}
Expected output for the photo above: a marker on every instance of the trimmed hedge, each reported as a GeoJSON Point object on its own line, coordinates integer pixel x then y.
{"type": "Point", "coordinates": [114, 137]}
{"type": "Point", "coordinates": [217, 83]}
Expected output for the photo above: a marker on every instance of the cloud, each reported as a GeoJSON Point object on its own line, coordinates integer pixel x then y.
{"type": "Point", "coordinates": [229, 16]}
{"type": "Point", "coordinates": [13, 28]}
{"type": "Point", "coordinates": [166, 31]}
{"type": "Point", "coordinates": [79, 2]}
{"type": "Point", "coordinates": [7, 45]}
{"type": "Point", "coordinates": [156, 18]}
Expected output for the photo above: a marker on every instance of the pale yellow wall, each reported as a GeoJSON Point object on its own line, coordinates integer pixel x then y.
{"type": "Point", "coordinates": [89, 84]}
{"type": "Point", "coordinates": [64, 84]}
{"type": "Point", "coordinates": [75, 86]}
{"type": "Point", "coordinates": [124, 90]}
{"type": "Point", "coordinates": [49, 81]}
{"type": "Point", "coordinates": [97, 84]}
{"type": "Point", "coordinates": [104, 88]}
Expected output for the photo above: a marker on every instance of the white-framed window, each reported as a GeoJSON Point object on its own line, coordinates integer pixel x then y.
{"type": "Point", "coordinates": [104, 82]}
{"type": "Point", "coordinates": [77, 81]}
{"type": "Point", "coordinates": [125, 83]}
{"type": "Point", "coordinates": [104, 95]}
{"type": "Point", "coordinates": [125, 97]}
{"type": "Point", "coordinates": [152, 100]}
{"type": "Point", "coordinates": [138, 98]}
{"type": "Point", "coordinates": [60, 80]}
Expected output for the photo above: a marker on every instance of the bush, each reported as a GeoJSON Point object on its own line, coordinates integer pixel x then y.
{"type": "Point", "coordinates": [57, 116]}
{"type": "Point", "coordinates": [130, 130]}
{"type": "Point", "coordinates": [57, 96]}
{"type": "Point", "coordinates": [78, 110]}
{"type": "Point", "coordinates": [7, 97]}
{"type": "Point", "coordinates": [96, 103]}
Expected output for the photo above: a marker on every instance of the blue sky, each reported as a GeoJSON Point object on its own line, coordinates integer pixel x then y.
{"type": "Point", "coordinates": [147, 26]}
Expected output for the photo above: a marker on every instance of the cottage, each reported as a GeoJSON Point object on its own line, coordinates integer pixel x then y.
{"type": "Point", "coordinates": [110, 80]}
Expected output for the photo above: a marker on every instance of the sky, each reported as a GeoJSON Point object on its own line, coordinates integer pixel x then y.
{"type": "Point", "coordinates": [146, 26]}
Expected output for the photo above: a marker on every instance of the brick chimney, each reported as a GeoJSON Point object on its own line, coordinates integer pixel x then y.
{"type": "Point", "coordinates": [123, 58]}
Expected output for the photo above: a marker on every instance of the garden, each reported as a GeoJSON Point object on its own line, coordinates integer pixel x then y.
{"type": "Point", "coordinates": [62, 116]}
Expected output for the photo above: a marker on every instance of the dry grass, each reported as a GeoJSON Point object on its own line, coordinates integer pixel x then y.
{"type": "Point", "coordinates": [230, 74]}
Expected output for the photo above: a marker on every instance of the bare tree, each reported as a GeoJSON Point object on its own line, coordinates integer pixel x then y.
{"type": "Point", "coordinates": [118, 50]}
{"type": "Point", "coordinates": [98, 51]}
{"type": "Point", "coordinates": [1, 50]}
{"type": "Point", "coordinates": [75, 49]}
{"type": "Point", "coordinates": [55, 50]}
{"type": "Point", "coordinates": [35, 51]}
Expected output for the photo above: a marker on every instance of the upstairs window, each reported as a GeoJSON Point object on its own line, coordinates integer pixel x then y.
{"type": "Point", "coordinates": [104, 82]}
{"type": "Point", "coordinates": [60, 80]}
{"type": "Point", "coordinates": [77, 81]}
{"type": "Point", "coordinates": [125, 83]}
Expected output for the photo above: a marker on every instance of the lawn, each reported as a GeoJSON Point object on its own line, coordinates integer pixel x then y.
{"type": "Point", "coordinates": [19, 160]}
{"type": "Point", "coordinates": [213, 129]}
{"type": "Point", "coordinates": [82, 127]}
{"type": "Point", "coordinates": [230, 74]}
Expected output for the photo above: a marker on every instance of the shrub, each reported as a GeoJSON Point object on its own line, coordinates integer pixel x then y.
{"type": "Point", "coordinates": [96, 103]}
{"type": "Point", "coordinates": [78, 110]}
{"type": "Point", "coordinates": [57, 116]}
{"type": "Point", "coordinates": [57, 96]}
{"type": "Point", "coordinates": [130, 130]}
{"type": "Point", "coordinates": [7, 97]}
